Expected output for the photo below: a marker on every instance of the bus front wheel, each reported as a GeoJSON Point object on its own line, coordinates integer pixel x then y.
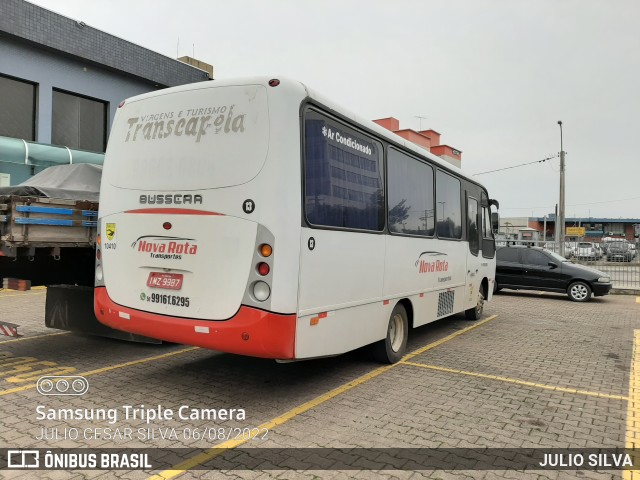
{"type": "Point", "coordinates": [392, 348]}
{"type": "Point", "coordinates": [476, 312]}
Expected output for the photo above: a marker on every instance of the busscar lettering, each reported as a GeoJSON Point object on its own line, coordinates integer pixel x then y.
{"type": "Point", "coordinates": [171, 199]}
{"type": "Point", "coordinates": [196, 124]}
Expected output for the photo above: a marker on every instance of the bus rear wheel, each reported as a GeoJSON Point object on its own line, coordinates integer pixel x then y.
{"type": "Point", "coordinates": [392, 348]}
{"type": "Point", "coordinates": [476, 312]}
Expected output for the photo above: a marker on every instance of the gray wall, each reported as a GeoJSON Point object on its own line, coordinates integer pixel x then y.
{"type": "Point", "coordinates": [42, 27]}
{"type": "Point", "coordinates": [54, 51]}
{"type": "Point", "coordinates": [49, 70]}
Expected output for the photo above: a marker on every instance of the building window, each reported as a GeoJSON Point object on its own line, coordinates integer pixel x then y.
{"type": "Point", "coordinates": [79, 122]}
{"type": "Point", "coordinates": [18, 111]}
{"type": "Point", "coordinates": [343, 175]}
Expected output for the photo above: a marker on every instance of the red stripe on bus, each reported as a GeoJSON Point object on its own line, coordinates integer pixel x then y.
{"type": "Point", "coordinates": [250, 332]}
{"type": "Point", "coordinates": [173, 211]}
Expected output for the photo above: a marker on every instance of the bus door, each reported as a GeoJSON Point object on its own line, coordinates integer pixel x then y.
{"type": "Point", "coordinates": [474, 259]}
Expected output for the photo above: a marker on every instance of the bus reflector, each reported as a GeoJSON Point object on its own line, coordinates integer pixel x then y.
{"type": "Point", "coordinates": [274, 82]}
{"type": "Point", "coordinates": [167, 225]}
{"type": "Point", "coordinates": [314, 321]}
{"type": "Point", "coordinates": [385, 302]}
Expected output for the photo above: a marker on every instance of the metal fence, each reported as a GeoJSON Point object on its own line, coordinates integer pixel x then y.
{"type": "Point", "coordinates": [624, 271]}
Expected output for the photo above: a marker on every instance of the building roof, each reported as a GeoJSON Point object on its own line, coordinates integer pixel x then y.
{"type": "Point", "coordinates": [73, 38]}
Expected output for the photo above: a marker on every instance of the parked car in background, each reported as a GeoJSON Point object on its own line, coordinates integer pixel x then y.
{"type": "Point", "coordinates": [534, 268]}
{"type": "Point", "coordinates": [634, 250]}
{"type": "Point", "coordinates": [588, 251]}
{"type": "Point", "coordinates": [569, 251]}
{"type": "Point", "coordinates": [600, 250]}
{"type": "Point", "coordinates": [619, 252]}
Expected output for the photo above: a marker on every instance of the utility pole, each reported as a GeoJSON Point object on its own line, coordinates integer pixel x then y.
{"type": "Point", "coordinates": [560, 220]}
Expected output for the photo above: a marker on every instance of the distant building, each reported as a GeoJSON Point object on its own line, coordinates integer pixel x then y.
{"type": "Point", "coordinates": [595, 228]}
{"type": "Point", "coordinates": [427, 139]}
{"type": "Point", "coordinates": [61, 82]}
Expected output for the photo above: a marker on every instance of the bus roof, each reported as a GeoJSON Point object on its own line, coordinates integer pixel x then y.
{"type": "Point", "coordinates": [323, 100]}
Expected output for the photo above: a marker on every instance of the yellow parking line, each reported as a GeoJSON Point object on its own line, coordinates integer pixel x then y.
{"type": "Point", "coordinates": [447, 338]}
{"type": "Point", "coordinates": [633, 407]}
{"type": "Point", "coordinates": [22, 339]}
{"type": "Point", "coordinates": [294, 412]}
{"type": "Point", "coordinates": [517, 382]}
{"type": "Point", "coordinates": [106, 369]}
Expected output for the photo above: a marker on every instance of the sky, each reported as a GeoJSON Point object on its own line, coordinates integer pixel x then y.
{"type": "Point", "coordinates": [494, 77]}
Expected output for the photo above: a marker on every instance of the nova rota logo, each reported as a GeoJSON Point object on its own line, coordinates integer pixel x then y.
{"type": "Point", "coordinates": [427, 264]}
{"type": "Point", "coordinates": [171, 248]}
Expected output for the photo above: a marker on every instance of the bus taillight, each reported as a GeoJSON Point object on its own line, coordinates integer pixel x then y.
{"type": "Point", "coordinates": [263, 269]}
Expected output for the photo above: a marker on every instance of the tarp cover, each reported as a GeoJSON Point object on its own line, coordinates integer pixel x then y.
{"type": "Point", "coordinates": [74, 182]}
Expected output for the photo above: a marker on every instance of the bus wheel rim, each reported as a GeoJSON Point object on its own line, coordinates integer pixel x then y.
{"type": "Point", "coordinates": [480, 304]}
{"type": "Point", "coordinates": [396, 332]}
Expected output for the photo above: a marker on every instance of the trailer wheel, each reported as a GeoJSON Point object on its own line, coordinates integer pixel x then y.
{"type": "Point", "coordinates": [392, 348]}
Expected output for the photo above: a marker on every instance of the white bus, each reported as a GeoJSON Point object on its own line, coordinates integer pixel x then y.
{"type": "Point", "coordinates": [257, 217]}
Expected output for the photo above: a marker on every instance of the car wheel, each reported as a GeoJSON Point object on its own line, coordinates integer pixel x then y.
{"type": "Point", "coordinates": [392, 348]}
{"type": "Point", "coordinates": [476, 312]}
{"type": "Point", "coordinates": [579, 291]}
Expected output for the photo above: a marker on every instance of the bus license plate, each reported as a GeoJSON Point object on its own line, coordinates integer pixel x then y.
{"type": "Point", "coordinates": [171, 281]}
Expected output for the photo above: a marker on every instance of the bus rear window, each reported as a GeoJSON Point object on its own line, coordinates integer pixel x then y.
{"type": "Point", "coordinates": [343, 175]}
{"type": "Point", "coordinates": [199, 138]}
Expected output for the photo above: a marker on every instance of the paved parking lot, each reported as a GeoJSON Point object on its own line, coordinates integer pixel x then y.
{"type": "Point", "coordinates": [538, 372]}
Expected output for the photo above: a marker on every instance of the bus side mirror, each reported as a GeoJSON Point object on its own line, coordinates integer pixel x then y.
{"type": "Point", "coordinates": [495, 222]}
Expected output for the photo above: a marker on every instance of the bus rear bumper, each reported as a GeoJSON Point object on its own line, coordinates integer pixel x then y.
{"type": "Point", "coordinates": [249, 332]}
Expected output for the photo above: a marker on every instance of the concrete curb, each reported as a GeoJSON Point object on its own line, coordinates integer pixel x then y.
{"type": "Point", "coordinates": [625, 291]}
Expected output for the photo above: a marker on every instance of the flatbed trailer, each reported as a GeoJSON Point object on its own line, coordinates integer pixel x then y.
{"type": "Point", "coordinates": [51, 242]}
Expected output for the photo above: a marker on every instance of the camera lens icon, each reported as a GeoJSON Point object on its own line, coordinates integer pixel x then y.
{"type": "Point", "coordinates": [62, 385]}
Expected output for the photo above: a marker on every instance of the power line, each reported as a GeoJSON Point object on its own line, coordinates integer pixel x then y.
{"type": "Point", "coordinates": [516, 166]}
